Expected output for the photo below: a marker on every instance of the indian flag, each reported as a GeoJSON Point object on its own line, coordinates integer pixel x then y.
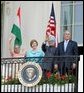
{"type": "Point", "coordinates": [16, 29]}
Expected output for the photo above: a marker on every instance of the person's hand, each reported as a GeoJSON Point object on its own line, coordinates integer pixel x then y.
{"type": "Point", "coordinates": [48, 33]}
{"type": "Point", "coordinates": [11, 37]}
{"type": "Point", "coordinates": [73, 66]}
{"type": "Point", "coordinates": [47, 38]}
{"type": "Point", "coordinates": [55, 67]}
{"type": "Point", "coordinates": [57, 75]}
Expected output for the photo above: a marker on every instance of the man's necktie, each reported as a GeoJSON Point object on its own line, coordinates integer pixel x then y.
{"type": "Point", "coordinates": [65, 45]}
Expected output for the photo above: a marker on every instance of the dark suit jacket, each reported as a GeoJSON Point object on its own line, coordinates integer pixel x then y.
{"type": "Point", "coordinates": [49, 52]}
{"type": "Point", "coordinates": [66, 58]}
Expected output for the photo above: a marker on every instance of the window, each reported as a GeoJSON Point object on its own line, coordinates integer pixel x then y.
{"type": "Point", "coordinates": [72, 20]}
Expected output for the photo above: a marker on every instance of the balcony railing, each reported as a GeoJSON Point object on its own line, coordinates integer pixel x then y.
{"type": "Point", "coordinates": [63, 79]}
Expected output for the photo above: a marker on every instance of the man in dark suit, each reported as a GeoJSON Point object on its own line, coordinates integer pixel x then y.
{"type": "Point", "coordinates": [49, 49]}
{"type": "Point", "coordinates": [68, 52]}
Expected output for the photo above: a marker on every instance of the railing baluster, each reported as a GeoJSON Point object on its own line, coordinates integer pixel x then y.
{"type": "Point", "coordinates": [8, 77]}
{"type": "Point", "coordinates": [5, 77]}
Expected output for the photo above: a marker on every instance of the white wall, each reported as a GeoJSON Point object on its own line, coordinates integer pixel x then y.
{"type": "Point", "coordinates": [80, 78]}
{"type": "Point", "coordinates": [35, 17]}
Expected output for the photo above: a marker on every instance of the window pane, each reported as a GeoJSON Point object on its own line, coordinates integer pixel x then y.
{"type": "Point", "coordinates": [66, 15]}
{"type": "Point", "coordinates": [61, 33]}
{"type": "Point", "coordinates": [66, 2]}
{"type": "Point", "coordinates": [78, 14]}
{"type": "Point", "coordinates": [77, 2]}
{"type": "Point", "coordinates": [78, 34]}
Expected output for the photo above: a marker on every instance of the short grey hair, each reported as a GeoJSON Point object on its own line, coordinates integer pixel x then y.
{"type": "Point", "coordinates": [52, 38]}
{"type": "Point", "coordinates": [67, 32]}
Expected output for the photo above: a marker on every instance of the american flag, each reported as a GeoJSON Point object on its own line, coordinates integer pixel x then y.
{"type": "Point", "coordinates": [51, 27]}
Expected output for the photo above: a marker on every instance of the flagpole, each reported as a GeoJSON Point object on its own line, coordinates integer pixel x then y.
{"type": "Point", "coordinates": [20, 15]}
{"type": "Point", "coordinates": [20, 19]}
